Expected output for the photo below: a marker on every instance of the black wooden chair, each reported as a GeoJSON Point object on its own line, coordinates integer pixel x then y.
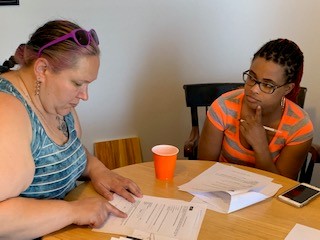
{"type": "Point", "coordinates": [306, 171]}
{"type": "Point", "coordinates": [203, 94]}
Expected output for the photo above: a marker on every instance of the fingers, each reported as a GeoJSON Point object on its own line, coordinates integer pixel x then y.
{"type": "Point", "coordinates": [242, 129]}
{"type": "Point", "coordinates": [243, 125]}
{"type": "Point", "coordinates": [101, 217]}
{"type": "Point", "coordinates": [258, 114]}
{"type": "Point", "coordinates": [127, 192]}
{"type": "Point", "coordinates": [250, 120]}
{"type": "Point", "coordinates": [115, 211]}
{"type": "Point", "coordinates": [105, 191]}
{"type": "Point", "coordinates": [124, 188]}
{"type": "Point", "coordinates": [109, 182]}
{"type": "Point", "coordinates": [93, 211]}
{"type": "Point", "coordinates": [134, 189]}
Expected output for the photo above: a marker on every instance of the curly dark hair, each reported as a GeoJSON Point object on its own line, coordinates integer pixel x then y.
{"type": "Point", "coordinates": [287, 54]}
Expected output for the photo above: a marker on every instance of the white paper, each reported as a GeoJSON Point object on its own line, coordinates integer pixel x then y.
{"type": "Point", "coordinates": [227, 188]}
{"type": "Point", "coordinates": [301, 232]}
{"type": "Point", "coordinates": [159, 217]}
{"type": "Point", "coordinates": [150, 236]}
{"type": "Point", "coordinates": [137, 234]}
{"type": "Point", "coordinates": [221, 177]}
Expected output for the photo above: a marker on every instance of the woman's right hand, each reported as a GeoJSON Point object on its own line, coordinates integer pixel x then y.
{"type": "Point", "coordinates": [252, 130]}
{"type": "Point", "coordinates": [93, 211]}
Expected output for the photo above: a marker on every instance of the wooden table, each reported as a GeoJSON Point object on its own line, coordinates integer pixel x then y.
{"type": "Point", "coordinates": [269, 219]}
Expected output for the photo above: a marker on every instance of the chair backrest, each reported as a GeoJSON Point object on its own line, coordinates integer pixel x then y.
{"type": "Point", "coordinates": [119, 152]}
{"type": "Point", "coordinates": [313, 157]}
{"type": "Point", "coordinates": [203, 94]}
{"type": "Point", "coordinates": [306, 171]}
{"type": "Point", "coordinates": [301, 96]}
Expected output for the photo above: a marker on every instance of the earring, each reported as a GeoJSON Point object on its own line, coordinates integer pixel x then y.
{"type": "Point", "coordinates": [37, 90]}
{"type": "Point", "coordinates": [282, 102]}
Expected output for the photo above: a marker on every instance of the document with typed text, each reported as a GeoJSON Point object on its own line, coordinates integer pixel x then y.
{"type": "Point", "coordinates": [157, 218]}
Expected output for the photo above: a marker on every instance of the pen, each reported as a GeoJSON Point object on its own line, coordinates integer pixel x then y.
{"type": "Point", "coordinates": [266, 128]}
{"type": "Point", "coordinates": [133, 238]}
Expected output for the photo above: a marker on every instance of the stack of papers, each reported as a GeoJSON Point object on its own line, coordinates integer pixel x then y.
{"type": "Point", "coordinates": [226, 188]}
{"type": "Point", "coordinates": [156, 218]}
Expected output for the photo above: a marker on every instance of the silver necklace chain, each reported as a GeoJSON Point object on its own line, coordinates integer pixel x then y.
{"type": "Point", "coordinates": [62, 126]}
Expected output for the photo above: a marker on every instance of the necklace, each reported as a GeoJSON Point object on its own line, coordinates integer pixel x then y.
{"type": "Point", "coordinates": [62, 126]}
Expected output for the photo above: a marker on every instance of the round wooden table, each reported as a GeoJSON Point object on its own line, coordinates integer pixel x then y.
{"type": "Point", "coordinates": [269, 219]}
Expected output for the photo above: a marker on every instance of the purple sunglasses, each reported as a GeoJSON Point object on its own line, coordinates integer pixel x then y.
{"type": "Point", "coordinates": [80, 36]}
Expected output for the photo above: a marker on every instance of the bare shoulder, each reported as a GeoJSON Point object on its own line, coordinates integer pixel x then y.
{"type": "Point", "coordinates": [16, 162]}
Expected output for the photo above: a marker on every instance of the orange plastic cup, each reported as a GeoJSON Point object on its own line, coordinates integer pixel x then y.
{"type": "Point", "coordinates": [164, 157]}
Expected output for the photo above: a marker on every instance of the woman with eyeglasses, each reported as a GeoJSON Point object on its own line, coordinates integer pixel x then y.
{"type": "Point", "coordinates": [260, 125]}
{"type": "Point", "coordinates": [41, 154]}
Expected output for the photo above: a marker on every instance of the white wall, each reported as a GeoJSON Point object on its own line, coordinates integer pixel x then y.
{"type": "Point", "coordinates": [150, 48]}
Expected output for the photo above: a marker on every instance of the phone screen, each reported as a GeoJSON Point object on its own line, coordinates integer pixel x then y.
{"type": "Point", "coordinates": [301, 193]}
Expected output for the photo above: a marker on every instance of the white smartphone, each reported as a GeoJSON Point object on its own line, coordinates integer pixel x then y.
{"type": "Point", "coordinates": [299, 195]}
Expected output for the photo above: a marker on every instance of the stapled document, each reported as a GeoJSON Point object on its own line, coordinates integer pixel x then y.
{"type": "Point", "coordinates": [226, 188]}
{"type": "Point", "coordinates": [156, 218]}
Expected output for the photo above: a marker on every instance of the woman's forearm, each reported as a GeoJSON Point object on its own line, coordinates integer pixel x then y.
{"type": "Point", "coordinates": [27, 218]}
{"type": "Point", "coordinates": [93, 165]}
{"type": "Point", "coordinates": [264, 159]}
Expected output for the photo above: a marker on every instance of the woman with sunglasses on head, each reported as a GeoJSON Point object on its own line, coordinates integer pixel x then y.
{"type": "Point", "coordinates": [260, 125]}
{"type": "Point", "coordinates": [41, 153]}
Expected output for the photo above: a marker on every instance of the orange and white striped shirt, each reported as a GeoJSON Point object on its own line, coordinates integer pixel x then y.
{"type": "Point", "coordinates": [295, 127]}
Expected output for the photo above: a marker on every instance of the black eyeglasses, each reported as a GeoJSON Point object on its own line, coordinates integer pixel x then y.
{"type": "Point", "coordinates": [264, 87]}
{"type": "Point", "coordinates": [80, 36]}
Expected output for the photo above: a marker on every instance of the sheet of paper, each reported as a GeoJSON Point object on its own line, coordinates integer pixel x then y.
{"type": "Point", "coordinates": [156, 216]}
{"type": "Point", "coordinates": [221, 177]}
{"type": "Point", "coordinates": [223, 202]}
{"type": "Point", "coordinates": [301, 232]}
{"type": "Point", "coordinates": [150, 236]}
{"type": "Point", "coordinates": [140, 235]}
{"type": "Point", "coordinates": [226, 189]}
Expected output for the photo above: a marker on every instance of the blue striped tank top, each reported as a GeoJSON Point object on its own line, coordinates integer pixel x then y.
{"type": "Point", "coordinates": [57, 167]}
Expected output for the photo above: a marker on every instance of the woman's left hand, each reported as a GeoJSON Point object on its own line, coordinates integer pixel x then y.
{"type": "Point", "coordinates": [107, 182]}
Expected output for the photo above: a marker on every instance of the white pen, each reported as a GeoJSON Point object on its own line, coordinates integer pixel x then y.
{"type": "Point", "coordinates": [266, 128]}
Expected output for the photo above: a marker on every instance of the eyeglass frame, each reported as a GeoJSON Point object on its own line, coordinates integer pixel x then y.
{"type": "Point", "coordinates": [274, 87]}
{"type": "Point", "coordinates": [91, 35]}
